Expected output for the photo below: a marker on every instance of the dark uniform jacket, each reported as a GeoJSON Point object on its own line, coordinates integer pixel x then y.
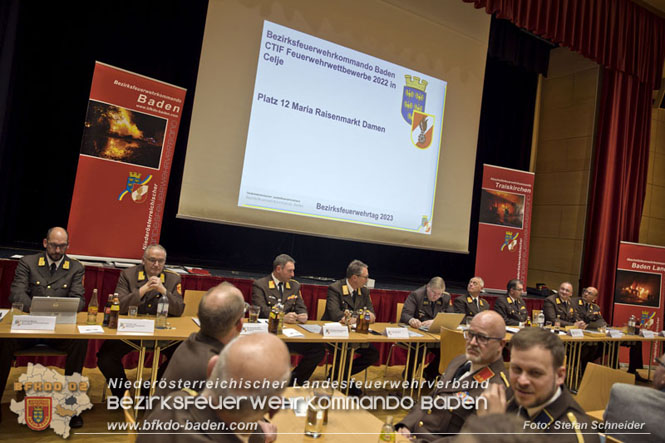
{"type": "Point", "coordinates": [265, 294]}
{"type": "Point", "coordinates": [195, 417]}
{"type": "Point", "coordinates": [418, 306]}
{"type": "Point", "coordinates": [33, 279]}
{"type": "Point", "coordinates": [554, 306]}
{"type": "Point", "coordinates": [560, 417]}
{"type": "Point", "coordinates": [434, 423]}
{"type": "Point", "coordinates": [513, 310]}
{"type": "Point", "coordinates": [340, 298]}
{"type": "Point", "coordinates": [131, 279]}
{"type": "Point", "coordinates": [466, 305]}
{"type": "Point", "coordinates": [190, 362]}
{"type": "Point", "coordinates": [590, 313]}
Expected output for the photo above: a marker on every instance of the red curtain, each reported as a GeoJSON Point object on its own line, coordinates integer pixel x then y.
{"type": "Point", "coordinates": [629, 44]}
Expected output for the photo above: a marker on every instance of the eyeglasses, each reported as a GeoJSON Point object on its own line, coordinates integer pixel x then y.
{"type": "Point", "coordinates": [156, 260]}
{"type": "Point", "coordinates": [480, 338]}
{"type": "Point", "coordinates": [57, 245]}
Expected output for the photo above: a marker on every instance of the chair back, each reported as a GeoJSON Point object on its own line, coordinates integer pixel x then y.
{"type": "Point", "coordinates": [320, 308]}
{"type": "Point", "coordinates": [452, 345]}
{"type": "Point", "coordinates": [398, 314]}
{"type": "Point", "coordinates": [594, 391]}
{"type": "Point", "coordinates": [192, 299]}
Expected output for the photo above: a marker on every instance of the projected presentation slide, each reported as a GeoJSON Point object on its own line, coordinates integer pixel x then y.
{"type": "Point", "coordinates": [338, 134]}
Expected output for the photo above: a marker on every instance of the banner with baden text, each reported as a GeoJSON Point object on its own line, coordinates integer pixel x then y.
{"type": "Point", "coordinates": [130, 132]}
{"type": "Point", "coordinates": [638, 288]}
{"type": "Point", "coordinates": [504, 226]}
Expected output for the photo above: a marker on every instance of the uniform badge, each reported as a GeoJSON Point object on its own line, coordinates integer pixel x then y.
{"type": "Point", "coordinates": [271, 284]}
{"type": "Point", "coordinates": [288, 286]}
{"type": "Point", "coordinates": [484, 374]}
{"type": "Point", "coordinates": [65, 265]}
{"type": "Point", "coordinates": [510, 300]}
{"type": "Point", "coordinates": [41, 261]}
{"type": "Point", "coordinates": [469, 300]}
{"type": "Point", "coordinates": [345, 290]}
{"type": "Point", "coordinates": [38, 412]}
{"type": "Point", "coordinates": [162, 278]}
{"type": "Point", "coordinates": [179, 288]}
{"type": "Point", "coordinates": [480, 302]}
{"type": "Point", "coordinates": [581, 302]}
{"type": "Point", "coordinates": [141, 275]}
{"type": "Point", "coordinates": [558, 302]}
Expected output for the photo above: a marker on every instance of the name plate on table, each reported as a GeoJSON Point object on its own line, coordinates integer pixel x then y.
{"type": "Point", "coordinates": [3, 313]}
{"type": "Point", "coordinates": [397, 333]}
{"type": "Point", "coordinates": [25, 323]}
{"type": "Point", "coordinates": [647, 334]}
{"type": "Point", "coordinates": [253, 328]}
{"type": "Point", "coordinates": [576, 333]}
{"type": "Point", "coordinates": [135, 326]}
{"type": "Point", "coordinates": [614, 333]}
{"type": "Point", "coordinates": [335, 330]}
{"type": "Point", "coordinates": [92, 329]}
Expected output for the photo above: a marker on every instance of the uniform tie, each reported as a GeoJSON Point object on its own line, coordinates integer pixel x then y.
{"type": "Point", "coordinates": [53, 268]}
{"type": "Point", "coordinates": [281, 289]}
{"type": "Point", "coordinates": [462, 370]}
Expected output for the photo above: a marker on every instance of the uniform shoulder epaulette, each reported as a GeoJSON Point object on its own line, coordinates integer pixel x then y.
{"type": "Point", "coordinates": [505, 379]}
{"type": "Point", "coordinates": [170, 271]}
{"type": "Point", "coordinates": [191, 392]}
{"type": "Point", "coordinates": [576, 427]}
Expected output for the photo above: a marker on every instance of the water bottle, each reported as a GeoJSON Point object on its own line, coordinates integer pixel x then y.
{"type": "Point", "coordinates": [162, 312]}
{"type": "Point", "coordinates": [540, 319]}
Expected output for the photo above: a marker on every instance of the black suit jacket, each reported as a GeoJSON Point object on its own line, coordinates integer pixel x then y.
{"type": "Point", "coordinates": [340, 298]}
{"type": "Point", "coordinates": [33, 279]}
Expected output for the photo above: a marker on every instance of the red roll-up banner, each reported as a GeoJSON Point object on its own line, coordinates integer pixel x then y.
{"type": "Point", "coordinates": [504, 226]}
{"type": "Point", "coordinates": [130, 133]}
{"type": "Point", "coordinates": [638, 287]}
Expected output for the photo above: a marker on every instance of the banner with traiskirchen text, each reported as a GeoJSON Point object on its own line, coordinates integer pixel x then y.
{"type": "Point", "coordinates": [504, 226]}
{"type": "Point", "coordinates": [639, 290]}
{"type": "Point", "coordinates": [129, 137]}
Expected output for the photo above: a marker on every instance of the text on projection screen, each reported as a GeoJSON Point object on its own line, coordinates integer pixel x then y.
{"type": "Point", "coordinates": [341, 135]}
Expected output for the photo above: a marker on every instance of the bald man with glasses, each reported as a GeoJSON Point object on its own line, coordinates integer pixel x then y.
{"type": "Point", "coordinates": [464, 377]}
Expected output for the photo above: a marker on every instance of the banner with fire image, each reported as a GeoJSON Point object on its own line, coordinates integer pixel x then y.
{"type": "Point", "coordinates": [638, 287]}
{"type": "Point", "coordinates": [504, 226]}
{"type": "Point", "coordinates": [123, 172]}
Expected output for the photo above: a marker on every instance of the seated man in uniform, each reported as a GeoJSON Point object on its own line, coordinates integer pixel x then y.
{"type": "Point", "coordinates": [537, 375]}
{"type": "Point", "coordinates": [589, 312]}
{"type": "Point", "coordinates": [47, 274]}
{"type": "Point", "coordinates": [351, 294]}
{"type": "Point", "coordinates": [472, 303]}
{"type": "Point", "coordinates": [249, 369]}
{"type": "Point", "coordinates": [221, 313]}
{"type": "Point", "coordinates": [279, 287]}
{"type": "Point", "coordinates": [560, 308]}
{"type": "Point", "coordinates": [142, 285]}
{"type": "Point", "coordinates": [511, 307]}
{"type": "Point", "coordinates": [464, 377]}
{"type": "Point", "coordinates": [420, 308]}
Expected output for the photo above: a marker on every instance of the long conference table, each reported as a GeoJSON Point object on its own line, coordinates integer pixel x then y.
{"type": "Point", "coordinates": [181, 327]}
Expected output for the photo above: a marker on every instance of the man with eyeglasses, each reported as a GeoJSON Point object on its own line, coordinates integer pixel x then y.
{"type": "Point", "coordinates": [638, 404]}
{"type": "Point", "coordinates": [143, 286]}
{"type": "Point", "coordinates": [511, 306]}
{"type": "Point", "coordinates": [420, 309]}
{"type": "Point", "coordinates": [471, 304]}
{"type": "Point", "coordinates": [351, 294]}
{"type": "Point", "coordinates": [464, 379]}
{"type": "Point", "coordinates": [48, 274]}
{"type": "Point", "coordinates": [537, 375]}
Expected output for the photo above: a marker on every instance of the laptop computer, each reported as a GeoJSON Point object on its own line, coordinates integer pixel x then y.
{"type": "Point", "coordinates": [446, 320]}
{"type": "Point", "coordinates": [64, 309]}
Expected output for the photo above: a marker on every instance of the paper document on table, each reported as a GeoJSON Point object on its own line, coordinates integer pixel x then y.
{"type": "Point", "coordinates": [512, 329]}
{"type": "Point", "coordinates": [414, 334]}
{"type": "Point", "coordinates": [3, 312]}
{"type": "Point", "coordinates": [290, 332]}
{"type": "Point", "coordinates": [314, 329]}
